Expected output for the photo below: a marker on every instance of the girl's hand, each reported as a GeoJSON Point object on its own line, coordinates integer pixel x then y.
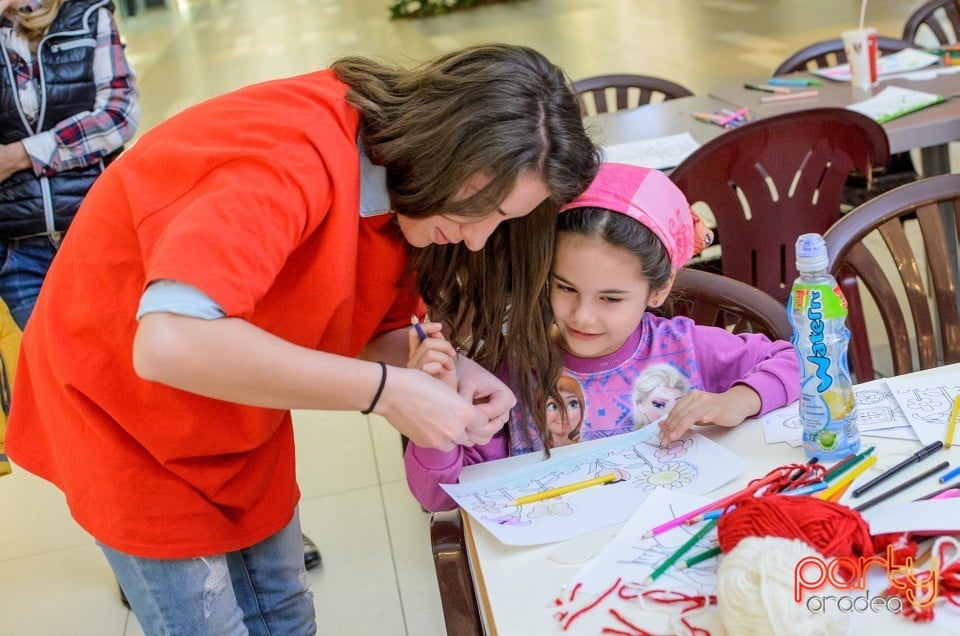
{"type": "Point", "coordinates": [434, 355]}
{"type": "Point", "coordinates": [699, 408]}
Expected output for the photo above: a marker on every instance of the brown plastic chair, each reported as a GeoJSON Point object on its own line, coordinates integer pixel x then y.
{"type": "Point", "coordinates": [916, 293]}
{"type": "Point", "coordinates": [717, 301]}
{"type": "Point", "coordinates": [774, 179]}
{"type": "Point", "coordinates": [934, 15]}
{"type": "Point", "coordinates": [630, 91]}
{"type": "Point", "coordinates": [830, 53]}
{"type": "Point", "coordinates": [461, 612]}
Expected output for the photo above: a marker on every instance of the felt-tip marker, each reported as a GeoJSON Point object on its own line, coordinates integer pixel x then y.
{"type": "Point", "coordinates": [792, 81]}
{"type": "Point", "coordinates": [916, 457]}
{"type": "Point", "coordinates": [416, 325]}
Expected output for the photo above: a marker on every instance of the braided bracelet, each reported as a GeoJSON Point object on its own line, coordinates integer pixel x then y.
{"type": "Point", "coordinates": [383, 382]}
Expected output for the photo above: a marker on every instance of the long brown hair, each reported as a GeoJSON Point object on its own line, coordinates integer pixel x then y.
{"type": "Point", "coordinates": [499, 110]}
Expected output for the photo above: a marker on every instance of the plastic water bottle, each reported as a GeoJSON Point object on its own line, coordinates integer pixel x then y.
{"type": "Point", "coordinates": [817, 311]}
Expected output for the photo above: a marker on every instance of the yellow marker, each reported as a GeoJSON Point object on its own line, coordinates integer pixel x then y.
{"type": "Point", "coordinates": [849, 477]}
{"type": "Point", "coordinates": [562, 490]}
{"type": "Point", "coordinates": [952, 426]}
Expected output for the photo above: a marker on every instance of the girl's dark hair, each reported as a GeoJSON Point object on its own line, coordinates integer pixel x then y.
{"type": "Point", "coordinates": [624, 232]}
{"type": "Point", "coordinates": [497, 110]}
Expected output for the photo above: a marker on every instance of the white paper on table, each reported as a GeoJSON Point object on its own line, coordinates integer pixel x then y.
{"type": "Point", "coordinates": [926, 402]}
{"type": "Point", "coordinates": [893, 102]}
{"type": "Point", "coordinates": [940, 516]}
{"type": "Point", "coordinates": [632, 558]}
{"type": "Point", "coordinates": [693, 465]}
{"type": "Point", "coordinates": [899, 62]}
{"type": "Point", "coordinates": [658, 153]}
{"type": "Point", "coordinates": [877, 413]}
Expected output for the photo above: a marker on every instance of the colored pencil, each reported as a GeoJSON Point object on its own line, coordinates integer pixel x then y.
{"type": "Point", "coordinates": [766, 99]}
{"type": "Point", "coordinates": [847, 464]}
{"type": "Point", "coordinates": [837, 496]}
{"type": "Point", "coordinates": [901, 487]}
{"type": "Point", "coordinates": [848, 478]}
{"type": "Point", "coordinates": [699, 558]}
{"type": "Point", "coordinates": [952, 426]}
{"type": "Point", "coordinates": [673, 523]}
{"type": "Point", "coordinates": [920, 455]}
{"type": "Point", "coordinates": [562, 490]}
{"type": "Point", "coordinates": [673, 558]}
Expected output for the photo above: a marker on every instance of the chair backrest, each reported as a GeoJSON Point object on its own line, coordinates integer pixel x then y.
{"type": "Point", "coordinates": [940, 17]}
{"type": "Point", "coordinates": [771, 180]}
{"type": "Point", "coordinates": [718, 301]}
{"type": "Point", "coordinates": [830, 53]}
{"type": "Point", "coordinates": [629, 91]}
{"type": "Point", "coordinates": [461, 612]}
{"type": "Point", "coordinates": [896, 244]}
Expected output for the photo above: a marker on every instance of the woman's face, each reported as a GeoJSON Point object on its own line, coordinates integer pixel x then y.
{"type": "Point", "coordinates": [529, 192]}
{"type": "Point", "coordinates": [560, 431]}
{"type": "Point", "coordinates": [658, 402]}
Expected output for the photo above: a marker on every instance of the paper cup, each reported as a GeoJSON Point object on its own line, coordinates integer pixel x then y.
{"type": "Point", "coordinates": [860, 46]}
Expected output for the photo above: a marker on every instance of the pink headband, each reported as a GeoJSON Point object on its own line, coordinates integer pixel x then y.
{"type": "Point", "coordinates": [648, 196]}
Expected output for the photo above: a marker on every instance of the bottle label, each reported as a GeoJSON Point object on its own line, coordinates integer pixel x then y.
{"type": "Point", "coordinates": [832, 302]}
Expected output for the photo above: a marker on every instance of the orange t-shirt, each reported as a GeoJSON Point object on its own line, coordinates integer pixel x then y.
{"type": "Point", "coordinates": [253, 198]}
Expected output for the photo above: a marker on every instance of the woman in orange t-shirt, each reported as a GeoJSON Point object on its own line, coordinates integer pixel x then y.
{"type": "Point", "coordinates": [261, 252]}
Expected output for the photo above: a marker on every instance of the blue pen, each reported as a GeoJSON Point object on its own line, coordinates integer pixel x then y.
{"type": "Point", "coordinates": [416, 325]}
{"type": "Point", "coordinates": [950, 475]}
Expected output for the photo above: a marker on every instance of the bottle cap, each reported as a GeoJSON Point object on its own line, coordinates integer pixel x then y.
{"type": "Point", "coordinates": [811, 253]}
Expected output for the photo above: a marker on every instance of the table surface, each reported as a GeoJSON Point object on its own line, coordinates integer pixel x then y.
{"type": "Point", "coordinates": [517, 585]}
{"type": "Point", "coordinates": [929, 127]}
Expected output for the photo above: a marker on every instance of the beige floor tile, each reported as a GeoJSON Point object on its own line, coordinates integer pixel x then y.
{"type": "Point", "coordinates": [387, 448]}
{"type": "Point", "coordinates": [68, 591]}
{"type": "Point", "coordinates": [355, 589]}
{"type": "Point", "coordinates": [334, 453]}
{"type": "Point", "coordinates": [36, 519]}
{"type": "Point", "coordinates": [410, 540]}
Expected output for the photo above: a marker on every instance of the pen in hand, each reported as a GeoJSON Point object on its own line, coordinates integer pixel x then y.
{"type": "Point", "coordinates": [416, 325]}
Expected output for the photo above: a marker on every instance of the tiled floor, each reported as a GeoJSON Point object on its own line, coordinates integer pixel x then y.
{"type": "Point", "coordinates": [377, 576]}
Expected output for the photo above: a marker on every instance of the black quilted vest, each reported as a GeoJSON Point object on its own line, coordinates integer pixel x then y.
{"type": "Point", "coordinates": [34, 205]}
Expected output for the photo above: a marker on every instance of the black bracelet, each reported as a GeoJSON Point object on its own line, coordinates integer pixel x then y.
{"type": "Point", "coordinates": [383, 382]}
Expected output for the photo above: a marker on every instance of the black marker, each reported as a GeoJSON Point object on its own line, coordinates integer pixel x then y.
{"type": "Point", "coordinates": [921, 454]}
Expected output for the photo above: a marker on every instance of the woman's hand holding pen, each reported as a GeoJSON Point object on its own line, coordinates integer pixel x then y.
{"type": "Point", "coordinates": [698, 408]}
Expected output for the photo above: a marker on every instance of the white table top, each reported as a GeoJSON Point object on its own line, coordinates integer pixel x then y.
{"type": "Point", "coordinates": [517, 585]}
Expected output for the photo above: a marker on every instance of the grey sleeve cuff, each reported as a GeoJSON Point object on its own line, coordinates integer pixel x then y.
{"type": "Point", "coordinates": [174, 297]}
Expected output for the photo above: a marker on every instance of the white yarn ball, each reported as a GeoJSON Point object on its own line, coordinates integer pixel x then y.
{"type": "Point", "coordinates": [755, 591]}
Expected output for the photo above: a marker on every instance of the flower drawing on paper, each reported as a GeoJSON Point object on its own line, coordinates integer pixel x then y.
{"type": "Point", "coordinates": [670, 475]}
{"type": "Point", "coordinates": [675, 450]}
{"type": "Point", "coordinates": [508, 520]}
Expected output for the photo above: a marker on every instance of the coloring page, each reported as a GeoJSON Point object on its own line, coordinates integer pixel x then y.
{"type": "Point", "coordinates": [659, 153]}
{"type": "Point", "coordinates": [632, 558]}
{"type": "Point", "coordinates": [927, 403]}
{"type": "Point", "coordinates": [640, 463]}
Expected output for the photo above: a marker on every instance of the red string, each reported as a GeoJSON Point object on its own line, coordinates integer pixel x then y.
{"type": "Point", "coordinates": [583, 610]}
{"type": "Point", "coordinates": [948, 588]}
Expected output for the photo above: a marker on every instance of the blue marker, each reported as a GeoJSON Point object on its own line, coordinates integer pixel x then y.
{"type": "Point", "coordinates": [792, 81]}
{"type": "Point", "coordinates": [808, 490]}
{"type": "Point", "coordinates": [950, 475]}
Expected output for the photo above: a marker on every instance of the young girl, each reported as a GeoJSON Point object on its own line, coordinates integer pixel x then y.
{"type": "Point", "coordinates": [618, 248]}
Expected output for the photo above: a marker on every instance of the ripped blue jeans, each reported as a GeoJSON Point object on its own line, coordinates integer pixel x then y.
{"type": "Point", "coordinates": [260, 590]}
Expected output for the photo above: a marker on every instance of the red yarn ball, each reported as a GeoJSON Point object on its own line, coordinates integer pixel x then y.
{"type": "Point", "coordinates": [831, 529]}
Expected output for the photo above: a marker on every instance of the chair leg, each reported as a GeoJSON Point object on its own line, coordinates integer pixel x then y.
{"type": "Point", "coordinates": [461, 612]}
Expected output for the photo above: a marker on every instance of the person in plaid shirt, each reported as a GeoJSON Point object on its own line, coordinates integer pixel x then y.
{"type": "Point", "coordinates": [56, 133]}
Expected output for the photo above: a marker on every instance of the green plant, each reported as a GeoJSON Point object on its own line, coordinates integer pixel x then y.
{"type": "Point", "coordinates": [423, 8]}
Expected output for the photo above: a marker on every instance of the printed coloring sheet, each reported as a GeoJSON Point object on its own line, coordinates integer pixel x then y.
{"type": "Point", "coordinates": [927, 402]}
{"type": "Point", "coordinates": [632, 558]}
{"type": "Point", "coordinates": [878, 414]}
{"type": "Point", "coordinates": [694, 465]}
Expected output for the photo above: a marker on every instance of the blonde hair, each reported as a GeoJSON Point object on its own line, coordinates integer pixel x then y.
{"type": "Point", "coordinates": [34, 25]}
{"type": "Point", "coordinates": [498, 110]}
{"type": "Point", "coordinates": [656, 375]}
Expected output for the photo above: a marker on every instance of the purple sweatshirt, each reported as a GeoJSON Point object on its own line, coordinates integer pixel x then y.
{"type": "Point", "coordinates": [628, 389]}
